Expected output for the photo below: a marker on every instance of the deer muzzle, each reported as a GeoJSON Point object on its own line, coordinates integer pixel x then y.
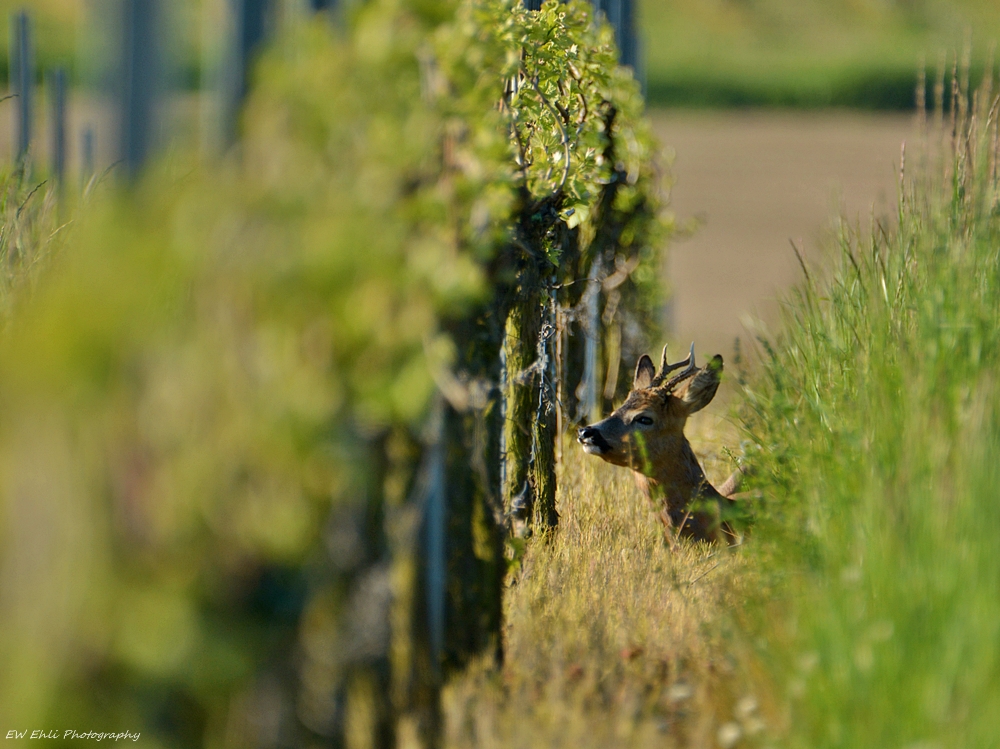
{"type": "Point", "coordinates": [593, 441]}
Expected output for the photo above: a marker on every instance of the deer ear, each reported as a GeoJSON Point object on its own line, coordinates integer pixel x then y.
{"type": "Point", "coordinates": [644, 373]}
{"type": "Point", "coordinates": [703, 386]}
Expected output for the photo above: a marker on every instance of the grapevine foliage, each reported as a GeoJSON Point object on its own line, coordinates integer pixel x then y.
{"type": "Point", "coordinates": [216, 396]}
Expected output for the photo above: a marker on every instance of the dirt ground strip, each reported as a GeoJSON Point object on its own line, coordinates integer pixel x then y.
{"type": "Point", "coordinates": [752, 181]}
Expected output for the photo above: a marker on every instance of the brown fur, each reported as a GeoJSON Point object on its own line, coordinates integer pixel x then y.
{"type": "Point", "coordinates": [646, 434]}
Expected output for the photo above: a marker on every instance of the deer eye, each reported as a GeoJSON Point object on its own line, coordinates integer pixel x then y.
{"type": "Point", "coordinates": [644, 420]}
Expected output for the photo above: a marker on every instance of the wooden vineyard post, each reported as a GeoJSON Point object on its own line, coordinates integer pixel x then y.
{"type": "Point", "coordinates": [588, 410]}
{"type": "Point", "coordinates": [475, 524]}
{"type": "Point", "coordinates": [58, 84]}
{"type": "Point", "coordinates": [543, 462]}
{"type": "Point", "coordinates": [521, 396]}
{"type": "Point", "coordinates": [22, 76]}
{"type": "Point", "coordinates": [251, 21]}
{"type": "Point", "coordinates": [140, 81]}
{"type": "Point", "coordinates": [627, 39]}
{"type": "Point", "coordinates": [530, 424]}
{"type": "Point", "coordinates": [416, 534]}
{"type": "Point", "coordinates": [87, 144]}
{"type": "Point", "coordinates": [621, 15]}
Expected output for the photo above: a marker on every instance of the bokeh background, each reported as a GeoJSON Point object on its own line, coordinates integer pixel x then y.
{"type": "Point", "coordinates": [781, 117]}
{"type": "Point", "coordinates": [233, 466]}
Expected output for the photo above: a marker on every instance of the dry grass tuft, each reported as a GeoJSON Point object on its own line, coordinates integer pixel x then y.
{"type": "Point", "coordinates": [613, 638]}
{"type": "Point", "coordinates": [28, 230]}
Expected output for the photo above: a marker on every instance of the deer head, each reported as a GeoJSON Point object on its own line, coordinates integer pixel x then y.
{"type": "Point", "coordinates": [646, 433]}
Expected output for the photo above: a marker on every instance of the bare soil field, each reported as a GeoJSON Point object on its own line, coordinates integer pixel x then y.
{"type": "Point", "coordinates": [752, 181]}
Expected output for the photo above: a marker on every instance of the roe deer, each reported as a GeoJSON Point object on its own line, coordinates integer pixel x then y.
{"type": "Point", "coordinates": [646, 434]}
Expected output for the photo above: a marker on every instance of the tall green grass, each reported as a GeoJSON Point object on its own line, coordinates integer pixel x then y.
{"type": "Point", "coordinates": [29, 231]}
{"type": "Point", "coordinates": [877, 428]}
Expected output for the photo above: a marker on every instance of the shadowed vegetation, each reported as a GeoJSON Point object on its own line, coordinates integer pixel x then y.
{"type": "Point", "coordinates": [249, 460]}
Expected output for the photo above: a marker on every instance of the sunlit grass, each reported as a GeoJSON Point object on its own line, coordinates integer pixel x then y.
{"type": "Point", "coordinates": [615, 636]}
{"type": "Point", "coordinates": [877, 421]}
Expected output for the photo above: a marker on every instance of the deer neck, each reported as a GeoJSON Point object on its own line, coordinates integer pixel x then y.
{"type": "Point", "coordinates": [675, 476]}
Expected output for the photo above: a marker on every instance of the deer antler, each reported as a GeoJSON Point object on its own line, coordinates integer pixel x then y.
{"type": "Point", "coordinates": [666, 369]}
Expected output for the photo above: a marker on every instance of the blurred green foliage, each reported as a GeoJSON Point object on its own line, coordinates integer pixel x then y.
{"type": "Point", "coordinates": [718, 53]}
{"type": "Point", "coordinates": [876, 426]}
{"type": "Point", "coordinates": [805, 53]}
{"type": "Point", "coordinates": [56, 25]}
{"type": "Point", "coordinates": [83, 37]}
{"type": "Point", "coordinates": [216, 390]}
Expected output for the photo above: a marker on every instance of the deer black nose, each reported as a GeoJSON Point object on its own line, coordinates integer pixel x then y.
{"type": "Point", "coordinates": [593, 441]}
